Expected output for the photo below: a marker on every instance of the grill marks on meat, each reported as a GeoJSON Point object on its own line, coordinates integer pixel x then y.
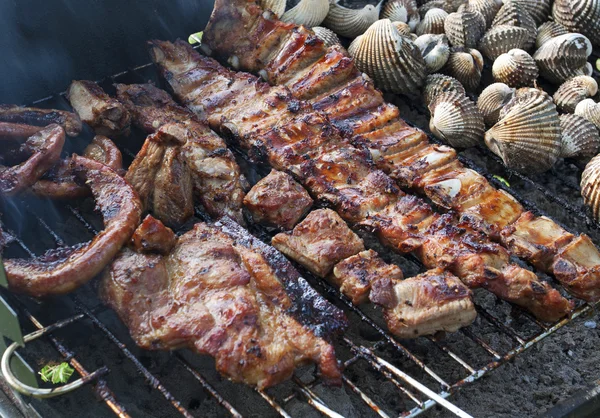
{"type": "Point", "coordinates": [328, 79]}
{"type": "Point", "coordinates": [106, 115]}
{"type": "Point", "coordinates": [63, 270]}
{"type": "Point", "coordinates": [292, 137]}
{"type": "Point", "coordinates": [216, 178]}
{"type": "Point", "coordinates": [41, 117]}
{"type": "Point", "coordinates": [218, 294]}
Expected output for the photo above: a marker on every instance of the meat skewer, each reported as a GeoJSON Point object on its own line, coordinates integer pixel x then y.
{"type": "Point", "coordinates": [273, 126]}
{"type": "Point", "coordinates": [41, 117]}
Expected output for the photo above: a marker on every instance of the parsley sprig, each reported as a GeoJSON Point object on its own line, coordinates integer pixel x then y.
{"type": "Point", "coordinates": [56, 373]}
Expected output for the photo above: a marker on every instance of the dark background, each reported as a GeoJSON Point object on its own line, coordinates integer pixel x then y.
{"type": "Point", "coordinates": [45, 44]}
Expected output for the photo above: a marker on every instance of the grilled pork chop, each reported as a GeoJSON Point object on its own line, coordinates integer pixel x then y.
{"type": "Point", "coordinates": [41, 117]}
{"type": "Point", "coordinates": [220, 293]}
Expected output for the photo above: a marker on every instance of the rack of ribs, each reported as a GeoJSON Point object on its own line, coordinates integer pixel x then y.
{"type": "Point", "coordinates": [289, 55]}
{"type": "Point", "coordinates": [219, 291]}
{"type": "Point", "coordinates": [273, 126]}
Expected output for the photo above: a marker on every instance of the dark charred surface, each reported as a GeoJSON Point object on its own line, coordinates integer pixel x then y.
{"type": "Point", "coordinates": [41, 117]}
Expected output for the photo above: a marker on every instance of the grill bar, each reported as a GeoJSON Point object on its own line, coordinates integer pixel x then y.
{"type": "Point", "coordinates": [365, 398]}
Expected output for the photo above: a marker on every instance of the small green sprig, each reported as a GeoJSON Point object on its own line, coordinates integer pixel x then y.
{"type": "Point", "coordinates": [195, 38]}
{"type": "Point", "coordinates": [56, 373]}
{"type": "Point", "coordinates": [502, 180]}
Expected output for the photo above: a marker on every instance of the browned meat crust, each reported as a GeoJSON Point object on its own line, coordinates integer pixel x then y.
{"type": "Point", "coordinates": [278, 200]}
{"type": "Point", "coordinates": [17, 131]}
{"type": "Point", "coordinates": [63, 270]}
{"type": "Point", "coordinates": [153, 237]}
{"type": "Point", "coordinates": [41, 117]}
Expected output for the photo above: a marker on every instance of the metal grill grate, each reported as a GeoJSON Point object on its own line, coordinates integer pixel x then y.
{"type": "Point", "coordinates": [419, 374]}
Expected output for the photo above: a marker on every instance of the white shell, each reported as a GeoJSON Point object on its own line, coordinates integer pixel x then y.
{"type": "Point", "coordinates": [590, 110]}
{"type": "Point", "coordinates": [351, 23]}
{"type": "Point", "coordinates": [436, 84]}
{"type": "Point", "coordinates": [393, 61]}
{"type": "Point", "coordinates": [579, 137]}
{"type": "Point", "coordinates": [573, 91]}
{"type": "Point", "coordinates": [590, 186]}
{"type": "Point", "coordinates": [328, 36]}
{"type": "Point", "coordinates": [466, 66]}
{"type": "Point", "coordinates": [581, 16]}
{"type": "Point", "coordinates": [402, 11]}
{"type": "Point", "coordinates": [501, 39]}
{"type": "Point", "coordinates": [547, 31]}
{"type": "Point", "coordinates": [434, 49]}
{"type": "Point", "coordinates": [492, 99]}
{"type": "Point", "coordinates": [563, 57]}
{"type": "Point", "coordinates": [432, 22]}
{"type": "Point", "coordinates": [456, 120]}
{"type": "Point", "coordinates": [307, 12]}
{"type": "Point", "coordinates": [514, 14]}
{"type": "Point", "coordinates": [276, 6]}
{"type": "Point", "coordinates": [464, 28]}
{"type": "Point", "coordinates": [516, 68]}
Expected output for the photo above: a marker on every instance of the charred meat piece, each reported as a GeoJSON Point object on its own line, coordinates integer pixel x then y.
{"type": "Point", "coordinates": [41, 117]}
{"type": "Point", "coordinates": [425, 304]}
{"type": "Point", "coordinates": [152, 236]}
{"type": "Point", "coordinates": [17, 131]}
{"type": "Point", "coordinates": [217, 293]}
{"type": "Point", "coordinates": [65, 269]}
{"type": "Point", "coordinates": [106, 115]}
{"type": "Point", "coordinates": [278, 200]}
{"type": "Point", "coordinates": [577, 266]}
{"type": "Point", "coordinates": [320, 241]}
{"type": "Point", "coordinates": [41, 151]}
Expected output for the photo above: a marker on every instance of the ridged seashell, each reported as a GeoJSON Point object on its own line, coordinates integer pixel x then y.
{"type": "Point", "coordinates": [464, 28]}
{"type": "Point", "coordinates": [547, 31]}
{"type": "Point", "coordinates": [579, 137]}
{"type": "Point", "coordinates": [434, 49]}
{"type": "Point", "coordinates": [538, 9]}
{"type": "Point", "coordinates": [432, 22]}
{"type": "Point", "coordinates": [581, 16]}
{"type": "Point", "coordinates": [573, 91]}
{"type": "Point", "coordinates": [405, 11]}
{"type": "Point", "coordinates": [527, 135]}
{"type": "Point", "coordinates": [590, 110]}
{"type": "Point", "coordinates": [466, 66]}
{"type": "Point", "coordinates": [501, 39]}
{"type": "Point", "coordinates": [492, 99]}
{"type": "Point", "coordinates": [487, 8]}
{"type": "Point", "coordinates": [276, 6]}
{"type": "Point", "coordinates": [563, 57]}
{"type": "Point", "coordinates": [516, 68]}
{"type": "Point", "coordinates": [393, 61]}
{"type": "Point", "coordinates": [514, 14]}
{"type": "Point", "coordinates": [307, 12]}
{"type": "Point", "coordinates": [403, 28]}
{"type": "Point", "coordinates": [456, 120]}
{"type": "Point", "coordinates": [590, 186]}
{"type": "Point", "coordinates": [436, 84]}
{"type": "Point", "coordinates": [435, 4]}
{"type": "Point", "coordinates": [328, 36]}
{"type": "Point", "coordinates": [351, 22]}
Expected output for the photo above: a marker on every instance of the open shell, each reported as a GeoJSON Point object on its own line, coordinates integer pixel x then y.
{"type": "Point", "coordinates": [548, 31]}
{"type": "Point", "coordinates": [492, 99]}
{"type": "Point", "coordinates": [527, 137]}
{"type": "Point", "coordinates": [466, 66]}
{"type": "Point", "coordinates": [590, 186]}
{"type": "Point", "coordinates": [351, 22]}
{"type": "Point", "coordinates": [433, 22]}
{"type": "Point", "coordinates": [516, 68]}
{"type": "Point", "coordinates": [434, 49]}
{"type": "Point", "coordinates": [307, 12]}
{"type": "Point", "coordinates": [487, 8]}
{"type": "Point", "coordinates": [563, 57]}
{"type": "Point", "coordinates": [328, 36]}
{"type": "Point", "coordinates": [581, 16]}
{"type": "Point", "coordinates": [501, 39]}
{"type": "Point", "coordinates": [514, 14]}
{"type": "Point", "coordinates": [405, 11]}
{"type": "Point", "coordinates": [393, 61]}
{"type": "Point", "coordinates": [579, 137]}
{"type": "Point", "coordinates": [538, 9]}
{"type": "Point", "coordinates": [436, 84]}
{"type": "Point", "coordinates": [464, 28]}
{"type": "Point", "coordinates": [276, 6]}
{"type": "Point", "coordinates": [456, 120]}
{"type": "Point", "coordinates": [573, 91]}
{"type": "Point", "coordinates": [590, 110]}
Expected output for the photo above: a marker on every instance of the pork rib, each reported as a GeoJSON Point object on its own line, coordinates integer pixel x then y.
{"type": "Point", "coordinates": [41, 117]}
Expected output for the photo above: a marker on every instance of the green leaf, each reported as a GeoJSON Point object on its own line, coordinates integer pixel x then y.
{"type": "Point", "coordinates": [502, 180]}
{"type": "Point", "coordinates": [195, 38]}
{"type": "Point", "coordinates": [57, 373]}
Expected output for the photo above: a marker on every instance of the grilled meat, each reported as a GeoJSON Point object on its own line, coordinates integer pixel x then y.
{"type": "Point", "coordinates": [278, 200]}
{"type": "Point", "coordinates": [17, 131]}
{"type": "Point", "coordinates": [217, 181]}
{"type": "Point", "coordinates": [65, 269]}
{"type": "Point", "coordinates": [273, 126]}
{"type": "Point", "coordinates": [106, 115]}
{"type": "Point", "coordinates": [217, 293]}
{"type": "Point", "coordinates": [41, 151]}
{"type": "Point", "coordinates": [41, 117]}
{"type": "Point", "coordinates": [153, 237]}
{"type": "Point", "coordinates": [286, 54]}
{"type": "Point", "coordinates": [320, 241]}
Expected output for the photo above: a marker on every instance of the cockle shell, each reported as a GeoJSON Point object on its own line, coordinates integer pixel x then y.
{"type": "Point", "coordinates": [436, 84]}
{"type": "Point", "coordinates": [516, 68]}
{"type": "Point", "coordinates": [436, 4]}
{"type": "Point", "coordinates": [276, 6]}
{"type": "Point", "coordinates": [501, 39]}
{"type": "Point", "coordinates": [581, 16]}
{"type": "Point", "coordinates": [403, 28]}
{"type": "Point", "coordinates": [328, 36]}
{"type": "Point", "coordinates": [405, 11]}
{"type": "Point", "coordinates": [456, 120]}
{"type": "Point", "coordinates": [464, 28]}
{"type": "Point", "coordinates": [589, 110]}
{"type": "Point", "coordinates": [433, 22]}
{"type": "Point", "coordinates": [393, 61]}
{"type": "Point", "coordinates": [547, 31]}
{"type": "Point", "coordinates": [580, 137]}
{"type": "Point", "coordinates": [492, 99]}
{"type": "Point", "coordinates": [563, 57]}
{"type": "Point", "coordinates": [538, 9]}
{"type": "Point", "coordinates": [590, 186]}
{"type": "Point", "coordinates": [514, 14]}
{"type": "Point", "coordinates": [351, 22]}
{"type": "Point", "coordinates": [434, 49]}
{"type": "Point", "coordinates": [573, 91]}
{"type": "Point", "coordinates": [307, 12]}
{"type": "Point", "coordinates": [527, 136]}
{"type": "Point", "coordinates": [466, 66]}
{"type": "Point", "coordinates": [487, 8]}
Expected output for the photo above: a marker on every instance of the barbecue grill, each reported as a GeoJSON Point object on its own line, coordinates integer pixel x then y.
{"type": "Point", "coordinates": [383, 375]}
